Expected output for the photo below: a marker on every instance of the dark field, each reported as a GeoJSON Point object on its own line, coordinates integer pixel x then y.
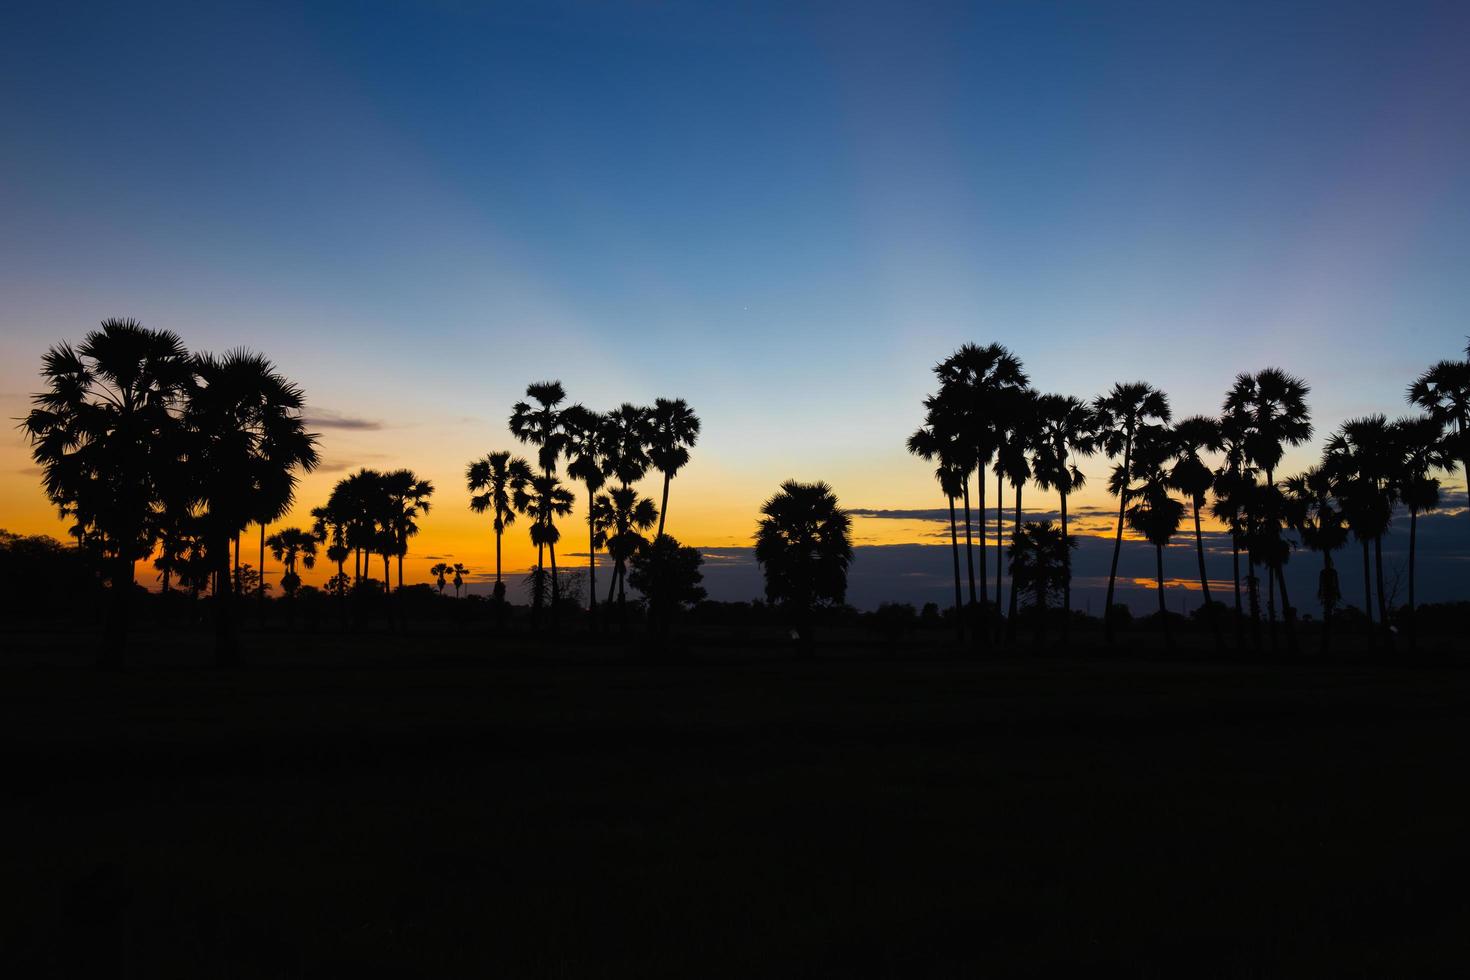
{"type": "Point", "coordinates": [354, 811]}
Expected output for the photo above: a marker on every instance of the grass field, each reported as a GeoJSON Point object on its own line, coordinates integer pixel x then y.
{"type": "Point", "coordinates": [426, 809]}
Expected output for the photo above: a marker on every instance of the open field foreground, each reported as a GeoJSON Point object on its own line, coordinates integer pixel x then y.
{"type": "Point", "coordinates": [425, 812]}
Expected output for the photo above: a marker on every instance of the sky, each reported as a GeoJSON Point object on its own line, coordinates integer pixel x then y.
{"type": "Point", "coordinates": [783, 213]}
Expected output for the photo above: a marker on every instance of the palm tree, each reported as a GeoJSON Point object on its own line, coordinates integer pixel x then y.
{"type": "Point", "coordinates": [355, 499]}
{"type": "Point", "coordinates": [1420, 449]}
{"type": "Point", "coordinates": [1273, 407]}
{"type": "Point", "coordinates": [492, 481]}
{"type": "Point", "coordinates": [1154, 514]}
{"type": "Point", "coordinates": [1014, 459]}
{"type": "Point", "coordinates": [539, 425]}
{"type": "Point", "coordinates": [405, 497]}
{"type": "Point", "coordinates": [1234, 483]}
{"type": "Point", "coordinates": [460, 571]}
{"type": "Point", "coordinates": [1190, 475]}
{"type": "Point", "coordinates": [288, 546]}
{"type": "Point", "coordinates": [1067, 428]}
{"type": "Point", "coordinates": [673, 428]}
{"type": "Point", "coordinates": [1312, 512]}
{"type": "Point", "coordinates": [625, 443]}
{"type": "Point", "coordinates": [330, 524]}
{"type": "Point", "coordinates": [623, 516]}
{"type": "Point", "coordinates": [803, 543]}
{"type": "Point", "coordinates": [1359, 457]}
{"type": "Point", "coordinates": [246, 439]}
{"type": "Point", "coordinates": [1120, 413]}
{"type": "Point", "coordinates": [441, 570]}
{"type": "Point", "coordinates": [1041, 564]}
{"type": "Point", "coordinates": [1444, 392]}
{"type": "Point", "coordinates": [974, 381]}
{"type": "Point", "coordinates": [927, 445]}
{"type": "Point", "coordinates": [588, 461]}
{"type": "Point", "coordinates": [104, 429]}
{"type": "Point", "coordinates": [543, 499]}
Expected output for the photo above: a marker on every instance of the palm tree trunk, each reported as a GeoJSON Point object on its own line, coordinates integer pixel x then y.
{"type": "Point", "coordinates": [1163, 611]}
{"type": "Point", "coordinates": [237, 581]}
{"type": "Point", "coordinates": [1235, 571]}
{"type": "Point", "coordinates": [954, 545]}
{"type": "Point", "coordinates": [538, 594]}
{"type": "Point", "coordinates": [1015, 536]}
{"type": "Point", "coordinates": [555, 584]}
{"type": "Point", "coordinates": [612, 586]}
{"type": "Point", "coordinates": [1288, 615]}
{"type": "Point", "coordinates": [226, 647]}
{"type": "Point", "coordinates": [1117, 541]}
{"type": "Point", "coordinates": [260, 587]}
{"type": "Point", "coordinates": [592, 557]}
{"type": "Point", "coordinates": [972, 610]}
{"type": "Point", "coordinates": [1066, 577]}
{"type": "Point", "coordinates": [400, 571]}
{"type": "Point", "coordinates": [1253, 586]}
{"type": "Point", "coordinates": [982, 625]}
{"type": "Point", "coordinates": [1204, 579]}
{"type": "Point", "coordinates": [1413, 536]}
{"type": "Point", "coordinates": [1000, 531]}
{"type": "Point", "coordinates": [663, 508]}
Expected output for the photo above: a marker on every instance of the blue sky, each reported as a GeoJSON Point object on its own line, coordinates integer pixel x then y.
{"type": "Point", "coordinates": [785, 213]}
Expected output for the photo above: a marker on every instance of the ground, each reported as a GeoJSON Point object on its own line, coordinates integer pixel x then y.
{"type": "Point", "coordinates": [422, 806]}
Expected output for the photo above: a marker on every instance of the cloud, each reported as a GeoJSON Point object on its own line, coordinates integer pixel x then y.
{"type": "Point", "coordinates": [326, 418]}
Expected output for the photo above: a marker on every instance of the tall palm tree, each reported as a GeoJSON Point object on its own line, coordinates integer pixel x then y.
{"type": "Point", "coordinates": [1234, 482]}
{"type": "Point", "coordinates": [492, 482]}
{"type": "Point", "coordinates": [1313, 513]}
{"type": "Point", "coordinates": [104, 428]}
{"type": "Point", "coordinates": [460, 571]}
{"type": "Point", "coordinates": [543, 499]}
{"type": "Point", "coordinates": [625, 443]}
{"type": "Point", "coordinates": [288, 546]}
{"type": "Point", "coordinates": [1067, 428]}
{"type": "Point", "coordinates": [803, 543]}
{"type": "Point", "coordinates": [673, 428]}
{"type": "Point", "coordinates": [1192, 477]}
{"type": "Point", "coordinates": [440, 571]}
{"type": "Point", "coordinates": [246, 432]}
{"type": "Point", "coordinates": [1420, 450]}
{"type": "Point", "coordinates": [927, 444]}
{"type": "Point", "coordinates": [1154, 513]}
{"type": "Point", "coordinates": [406, 497]}
{"type": "Point", "coordinates": [623, 516]}
{"type": "Point", "coordinates": [587, 460]}
{"type": "Point", "coordinates": [1023, 429]}
{"type": "Point", "coordinates": [1120, 414]}
{"type": "Point", "coordinates": [1273, 406]}
{"type": "Point", "coordinates": [539, 424]}
{"type": "Point", "coordinates": [330, 524]}
{"type": "Point", "coordinates": [1444, 392]}
{"type": "Point", "coordinates": [975, 381]}
{"type": "Point", "coordinates": [1360, 457]}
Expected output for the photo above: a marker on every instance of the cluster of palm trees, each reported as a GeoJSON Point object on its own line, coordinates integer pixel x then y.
{"type": "Point", "coordinates": [367, 514]}
{"type": "Point", "coordinates": [986, 415]}
{"type": "Point", "coordinates": [607, 453]}
{"type": "Point", "coordinates": [145, 446]}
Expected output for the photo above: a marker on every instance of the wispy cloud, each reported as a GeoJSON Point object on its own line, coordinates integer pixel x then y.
{"type": "Point", "coordinates": [326, 418]}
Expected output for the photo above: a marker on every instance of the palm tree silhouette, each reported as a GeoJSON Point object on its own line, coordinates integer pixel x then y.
{"type": "Point", "coordinates": [1420, 449]}
{"type": "Point", "coordinates": [1154, 514]}
{"type": "Point", "coordinates": [441, 570]}
{"type": "Point", "coordinates": [1273, 407]}
{"type": "Point", "coordinates": [1444, 392]}
{"type": "Point", "coordinates": [288, 546]}
{"type": "Point", "coordinates": [1190, 475]}
{"type": "Point", "coordinates": [245, 433]}
{"type": "Point", "coordinates": [1067, 428]}
{"type": "Point", "coordinates": [405, 498]}
{"type": "Point", "coordinates": [1234, 483]}
{"type": "Point", "coordinates": [927, 445]}
{"type": "Point", "coordinates": [330, 524]}
{"type": "Point", "coordinates": [1041, 564]}
{"type": "Point", "coordinates": [492, 481]}
{"type": "Point", "coordinates": [1360, 458]}
{"type": "Point", "coordinates": [543, 499]}
{"type": "Point", "coordinates": [460, 571]}
{"type": "Point", "coordinates": [1120, 414]}
{"type": "Point", "coordinates": [1014, 459]}
{"type": "Point", "coordinates": [1312, 512]}
{"type": "Point", "coordinates": [803, 543]}
{"type": "Point", "coordinates": [673, 428]}
{"type": "Point", "coordinates": [588, 461]}
{"type": "Point", "coordinates": [975, 381]}
{"type": "Point", "coordinates": [625, 442]}
{"type": "Point", "coordinates": [103, 428]}
{"type": "Point", "coordinates": [624, 516]}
